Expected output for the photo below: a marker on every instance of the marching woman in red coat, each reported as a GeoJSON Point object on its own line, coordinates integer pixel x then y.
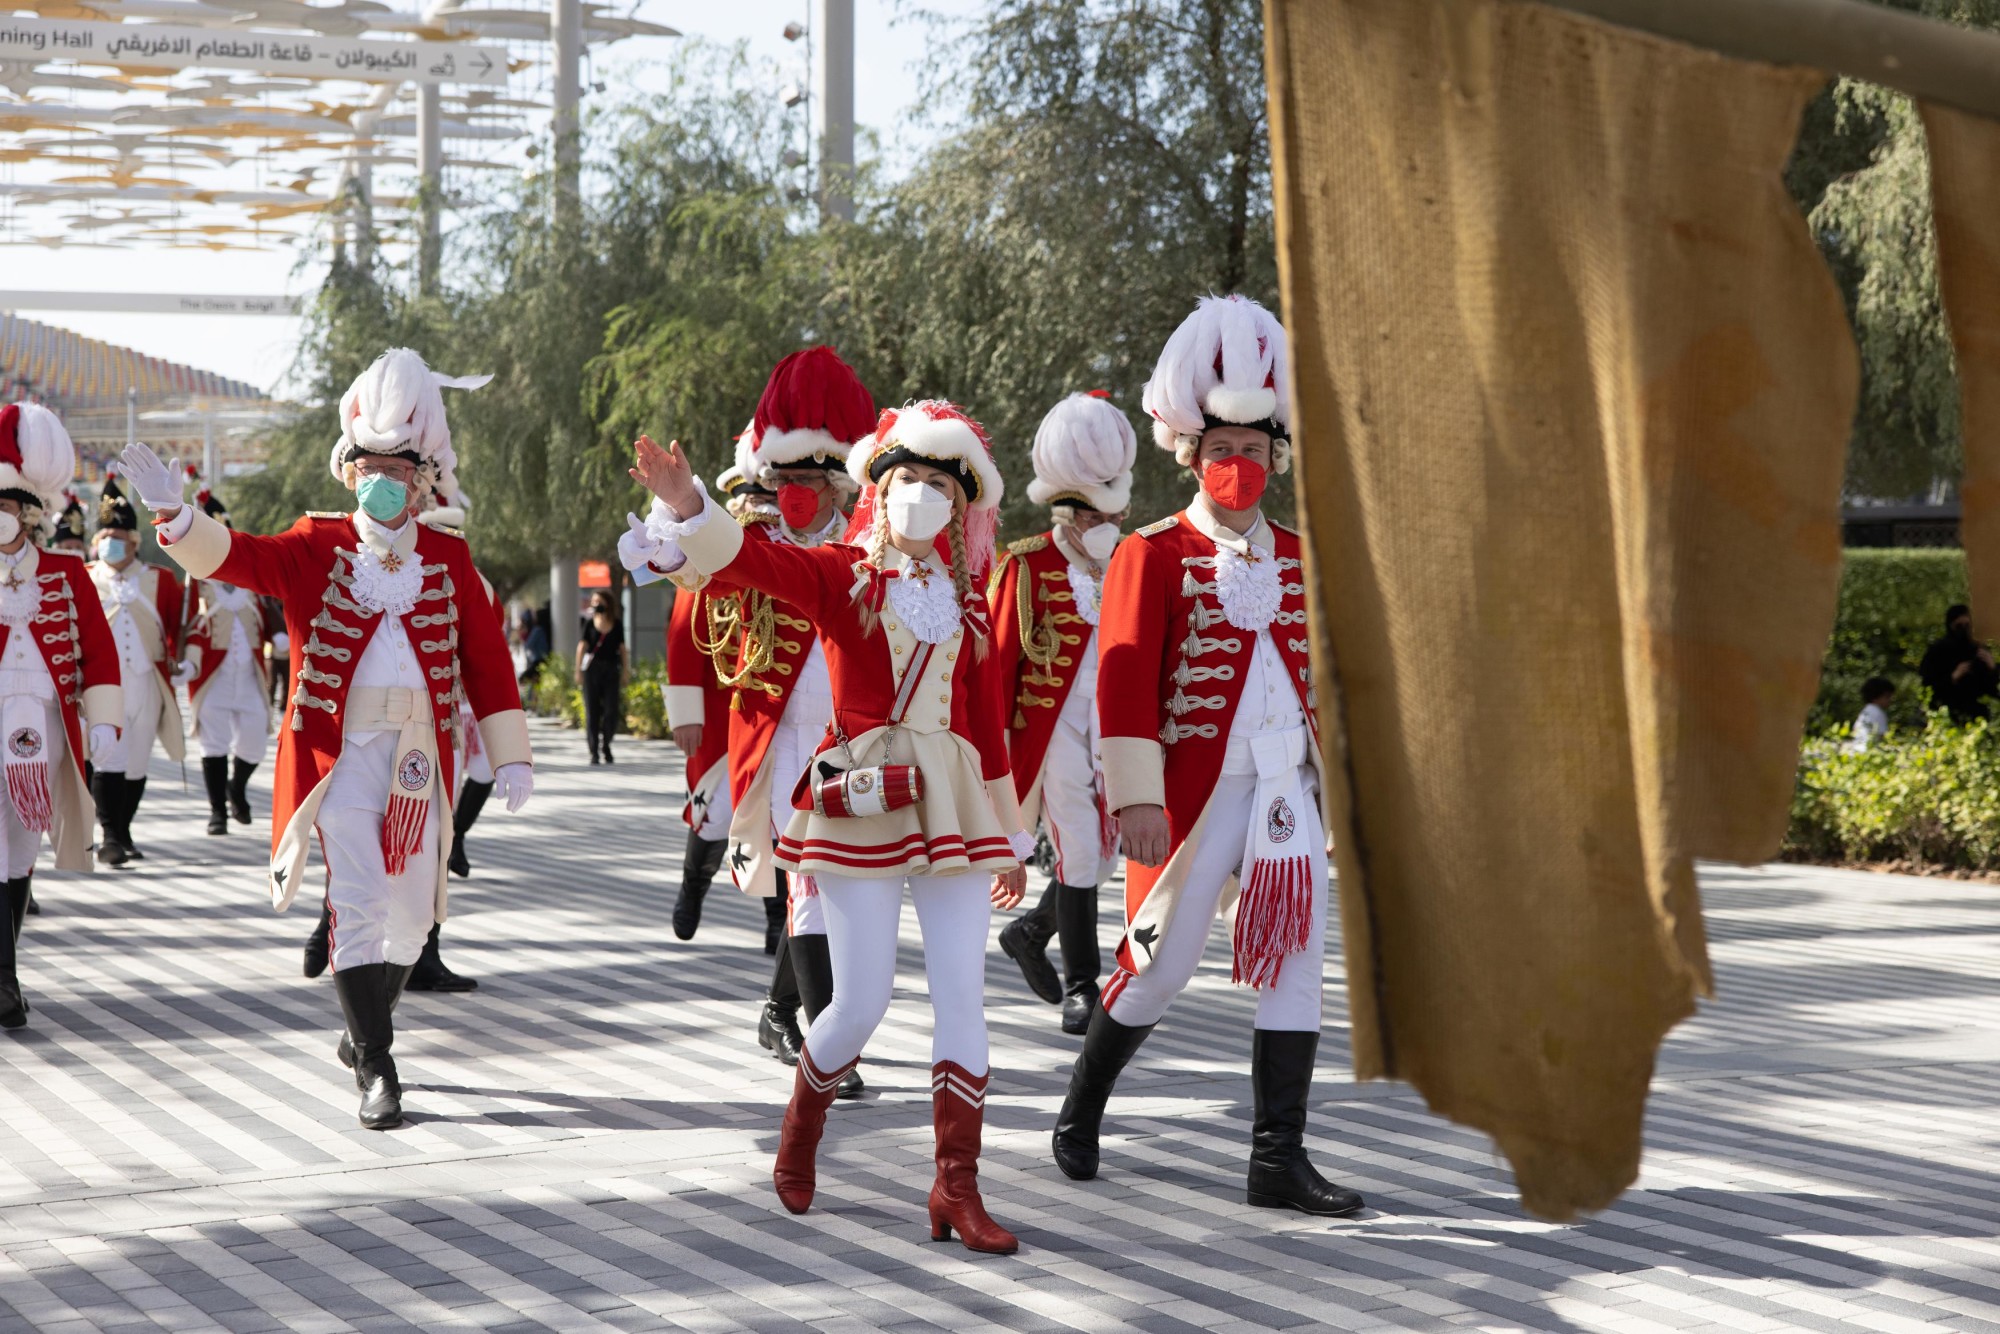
{"type": "Point", "coordinates": [1211, 756]}
{"type": "Point", "coordinates": [58, 676]}
{"type": "Point", "coordinates": [390, 628]}
{"type": "Point", "coordinates": [911, 785]}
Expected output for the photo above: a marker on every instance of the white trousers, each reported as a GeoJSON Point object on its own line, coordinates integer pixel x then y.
{"type": "Point", "coordinates": [808, 913]}
{"type": "Point", "coordinates": [377, 917]}
{"type": "Point", "coordinates": [792, 749]}
{"type": "Point", "coordinates": [18, 843]}
{"type": "Point", "coordinates": [1292, 1003]}
{"type": "Point", "coordinates": [133, 750]}
{"type": "Point", "coordinates": [232, 725]}
{"type": "Point", "coordinates": [1069, 807]}
{"type": "Point", "coordinates": [862, 918]}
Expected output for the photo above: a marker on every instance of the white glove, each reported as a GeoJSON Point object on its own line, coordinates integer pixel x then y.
{"type": "Point", "coordinates": [183, 673]}
{"type": "Point", "coordinates": [639, 550]}
{"type": "Point", "coordinates": [158, 485]}
{"type": "Point", "coordinates": [103, 736]}
{"type": "Point", "coordinates": [281, 642]}
{"type": "Point", "coordinates": [517, 784]}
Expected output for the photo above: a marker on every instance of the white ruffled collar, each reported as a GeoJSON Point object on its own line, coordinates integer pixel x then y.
{"type": "Point", "coordinates": [923, 597]}
{"type": "Point", "coordinates": [1248, 583]}
{"type": "Point", "coordinates": [387, 574]}
{"type": "Point", "coordinates": [20, 592]}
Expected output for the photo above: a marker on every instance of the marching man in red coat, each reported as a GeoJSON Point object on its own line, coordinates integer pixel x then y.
{"type": "Point", "coordinates": [389, 630]}
{"type": "Point", "coordinates": [1046, 599]}
{"type": "Point", "coordinates": [58, 676]}
{"type": "Point", "coordinates": [143, 605]}
{"type": "Point", "coordinates": [1210, 752]}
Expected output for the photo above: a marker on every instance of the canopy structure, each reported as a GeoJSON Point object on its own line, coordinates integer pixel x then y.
{"type": "Point", "coordinates": [244, 124]}
{"type": "Point", "coordinates": [102, 391]}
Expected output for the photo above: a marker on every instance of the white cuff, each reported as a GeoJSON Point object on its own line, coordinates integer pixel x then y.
{"type": "Point", "coordinates": [647, 561]}
{"type": "Point", "coordinates": [668, 528]}
{"type": "Point", "coordinates": [176, 528]}
{"type": "Point", "coordinates": [1023, 844]}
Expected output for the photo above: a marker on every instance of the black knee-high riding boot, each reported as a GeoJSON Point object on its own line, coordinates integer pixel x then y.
{"type": "Point", "coordinates": [1281, 1177]}
{"type": "Point", "coordinates": [1107, 1047]}
{"type": "Point", "coordinates": [1076, 929]}
{"type": "Point", "coordinates": [1025, 940]}
{"type": "Point", "coordinates": [107, 789]}
{"type": "Point", "coordinates": [13, 1003]}
{"type": "Point", "coordinates": [778, 1024]}
{"type": "Point", "coordinates": [135, 792]}
{"type": "Point", "coordinates": [215, 777]}
{"type": "Point", "coordinates": [699, 865]}
{"type": "Point", "coordinates": [368, 994]}
{"type": "Point", "coordinates": [471, 800]}
{"type": "Point", "coordinates": [319, 944]}
{"type": "Point", "coordinates": [429, 973]}
{"type": "Point", "coordinates": [239, 791]}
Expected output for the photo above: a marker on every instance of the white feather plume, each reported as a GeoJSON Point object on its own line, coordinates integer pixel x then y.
{"type": "Point", "coordinates": [395, 407]}
{"type": "Point", "coordinates": [1227, 360]}
{"type": "Point", "coordinates": [48, 458]}
{"type": "Point", "coordinates": [1085, 446]}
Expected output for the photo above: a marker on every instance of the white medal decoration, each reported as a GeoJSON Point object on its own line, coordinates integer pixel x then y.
{"type": "Point", "coordinates": [1086, 592]}
{"type": "Point", "coordinates": [925, 601]}
{"type": "Point", "coordinates": [19, 601]}
{"type": "Point", "coordinates": [1248, 586]}
{"type": "Point", "coordinates": [379, 588]}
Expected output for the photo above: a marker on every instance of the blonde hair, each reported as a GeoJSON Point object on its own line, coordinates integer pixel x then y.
{"type": "Point", "coordinates": [961, 566]}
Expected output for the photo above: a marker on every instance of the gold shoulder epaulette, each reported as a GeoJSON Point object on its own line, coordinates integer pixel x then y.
{"type": "Point", "coordinates": [1282, 527]}
{"type": "Point", "coordinates": [1029, 545]}
{"type": "Point", "coordinates": [449, 531]}
{"type": "Point", "coordinates": [325, 514]}
{"type": "Point", "coordinates": [1158, 526]}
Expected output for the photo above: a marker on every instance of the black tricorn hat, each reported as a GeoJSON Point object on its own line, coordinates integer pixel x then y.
{"type": "Point", "coordinates": [113, 510]}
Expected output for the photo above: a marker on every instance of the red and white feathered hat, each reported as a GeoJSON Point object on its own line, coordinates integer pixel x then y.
{"type": "Point", "coordinates": [37, 459]}
{"type": "Point", "coordinates": [814, 411]}
{"type": "Point", "coordinates": [1227, 365]}
{"type": "Point", "coordinates": [938, 433]}
{"type": "Point", "coordinates": [1084, 451]}
{"type": "Point", "coordinates": [395, 407]}
{"type": "Point", "coordinates": [448, 508]}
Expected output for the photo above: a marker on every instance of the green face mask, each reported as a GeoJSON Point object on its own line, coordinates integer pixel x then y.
{"type": "Point", "coordinates": [382, 498]}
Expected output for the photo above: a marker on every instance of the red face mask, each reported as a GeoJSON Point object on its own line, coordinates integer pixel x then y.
{"type": "Point", "coordinates": [1235, 483]}
{"type": "Point", "coordinates": [799, 504]}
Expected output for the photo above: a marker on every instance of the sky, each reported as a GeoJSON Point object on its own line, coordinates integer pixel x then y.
{"type": "Point", "coordinates": [890, 50]}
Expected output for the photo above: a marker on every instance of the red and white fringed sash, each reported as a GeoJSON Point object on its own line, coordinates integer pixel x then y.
{"type": "Point", "coordinates": [26, 720]}
{"type": "Point", "coordinates": [413, 779]}
{"type": "Point", "coordinates": [1274, 913]}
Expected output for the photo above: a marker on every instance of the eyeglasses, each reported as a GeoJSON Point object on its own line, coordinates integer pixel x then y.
{"type": "Point", "coordinates": [813, 479]}
{"type": "Point", "coordinates": [396, 469]}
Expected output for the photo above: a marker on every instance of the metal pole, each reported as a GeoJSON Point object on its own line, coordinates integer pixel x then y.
{"type": "Point", "coordinates": [211, 453]}
{"type": "Point", "coordinates": [563, 629]}
{"type": "Point", "coordinates": [1929, 59]}
{"type": "Point", "coordinates": [833, 79]}
{"type": "Point", "coordinates": [131, 415]}
{"type": "Point", "coordinates": [566, 40]}
{"type": "Point", "coordinates": [430, 182]}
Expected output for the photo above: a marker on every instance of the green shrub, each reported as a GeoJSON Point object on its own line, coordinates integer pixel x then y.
{"type": "Point", "coordinates": [645, 706]}
{"type": "Point", "coordinates": [553, 693]}
{"type": "Point", "coordinates": [1892, 603]}
{"type": "Point", "coordinates": [1929, 796]}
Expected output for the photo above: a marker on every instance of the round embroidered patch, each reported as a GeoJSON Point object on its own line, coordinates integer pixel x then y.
{"type": "Point", "coordinates": [25, 743]}
{"type": "Point", "coordinates": [1281, 824]}
{"type": "Point", "coordinates": [414, 772]}
{"type": "Point", "coordinates": [862, 781]}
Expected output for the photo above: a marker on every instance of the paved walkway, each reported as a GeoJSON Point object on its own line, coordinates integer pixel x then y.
{"type": "Point", "coordinates": [592, 1131]}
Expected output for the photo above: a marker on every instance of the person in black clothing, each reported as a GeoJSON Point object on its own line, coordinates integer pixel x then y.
{"type": "Point", "coordinates": [1958, 670]}
{"type": "Point", "coordinates": [601, 670]}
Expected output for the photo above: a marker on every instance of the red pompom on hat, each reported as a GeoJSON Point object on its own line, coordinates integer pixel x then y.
{"type": "Point", "coordinates": [813, 411]}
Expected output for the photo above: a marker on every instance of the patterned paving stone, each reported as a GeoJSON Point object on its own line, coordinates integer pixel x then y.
{"type": "Point", "coordinates": [591, 1132]}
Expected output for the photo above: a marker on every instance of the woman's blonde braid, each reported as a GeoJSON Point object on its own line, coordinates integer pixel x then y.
{"type": "Point", "coordinates": [961, 575]}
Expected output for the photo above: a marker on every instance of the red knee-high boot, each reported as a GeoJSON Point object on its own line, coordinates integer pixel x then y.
{"type": "Point", "coordinates": [958, 1104]}
{"type": "Point", "coordinates": [813, 1091]}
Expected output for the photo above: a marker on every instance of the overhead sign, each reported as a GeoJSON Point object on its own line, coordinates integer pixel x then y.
{"type": "Point", "coordinates": [152, 303]}
{"type": "Point", "coordinates": [308, 55]}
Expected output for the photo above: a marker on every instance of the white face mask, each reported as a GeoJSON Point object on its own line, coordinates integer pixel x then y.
{"type": "Point", "coordinates": [1098, 542]}
{"type": "Point", "coordinates": [10, 527]}
{"type": "Point", "coordinates": [917, 512]}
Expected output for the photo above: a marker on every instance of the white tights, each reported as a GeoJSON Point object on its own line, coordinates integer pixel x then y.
{"type": "Point", "coordinates": [862, 918]}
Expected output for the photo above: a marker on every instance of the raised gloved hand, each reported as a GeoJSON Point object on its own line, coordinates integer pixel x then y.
{"type": "Point", "coordinates": [517, 784]}
{"type": "Point", "coordinates": [103, 736]}
{"type": "Point", "coordinates": [638, 549]}
{"type": "Point", "coordinates": [158, 485]}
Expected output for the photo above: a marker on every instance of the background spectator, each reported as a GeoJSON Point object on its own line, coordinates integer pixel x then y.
{"type": "Point", "coordinates": [1957, 669]}
{"type": "Point", "coordinates": [1876, 692]}
{"type": "Point", "coordinates": [601, 669]}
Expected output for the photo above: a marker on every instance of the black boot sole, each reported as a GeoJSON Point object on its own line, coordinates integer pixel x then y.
{"type": "Point", "coordinates": [218, 826]}
{"type": "Point", "coordinates": [1074, 1165]}
{"type": "Point", "coordinates": [1266, 1201]}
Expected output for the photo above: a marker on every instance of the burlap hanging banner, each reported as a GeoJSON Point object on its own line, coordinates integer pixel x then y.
{"type": "Point", "coordinates": [1572, 393]}
{"type": "Point", "coordinates": [1965, 195]}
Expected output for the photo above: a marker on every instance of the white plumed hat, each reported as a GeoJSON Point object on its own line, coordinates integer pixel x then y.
{"type": "Point", "coordinates": [1084, 450]}
{"type": "Point", "coordinates": [394, 407]}
{"type": "Point", "coordinates": [36, 455]}
{"type": "Point", "coordinates": [1226, 365]}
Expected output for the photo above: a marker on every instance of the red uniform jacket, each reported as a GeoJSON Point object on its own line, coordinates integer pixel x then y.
{"type": "Point", "coordinates": [693, 691]}
{"type": "Point", "coordinates": [763, 688]}
{"type": "Point", "coordinates": [456, 639]}
{"type": "Point", "coordinates": [167, 597]}
{"type": "Point", "coordinates": [82, 658]}
{"type": "Point", "coordinates": [1171, 671]}
{"type": "Point", "coordinates": [1040, 640]}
